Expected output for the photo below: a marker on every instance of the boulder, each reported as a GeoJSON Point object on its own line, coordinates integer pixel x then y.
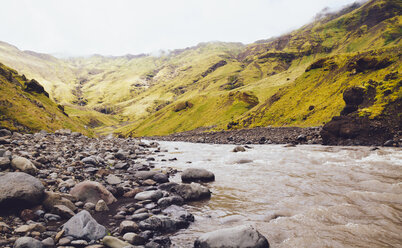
{"type": "Point", "coordinates": [134, 238]}
{"type": "Point", "coordinates": [163, 224]}
{"type": "Point", "coordinates": [5, 132]}
{"type": "Point", "coordinates": [154, 175]}
{"type": "Point", "coordinates": [113, 180]}
{"type": "Point", "coordinates": [153, 195]}
{"type": "Point", "coordinates": [113, 242]}
{"type": "Point", "coordinates": [234, 237]}
{"type": "Point", "coordinates": [101, 206]}
{"type": "Point", "coordinates": [89, 191]}
{"type": "Point", "coordinates": [83, 226]}
{"type": "Point", "coordinates": [27, 242]}
{"type": "Point", "coordinates": [24, 165]}
{"type": "Point", "coordinates": [239, 149]}
{"type": "Point", "coordinates": [197, 175]}
{"type": "Point", "coordinates": [128, 226]}
{"type": "Point", "coordinates": [52, 199]}
{"type": "Point", "coordinates": [192, 192]}
{"type": "Point", "coordinates": [20, 190]}
{"type": "Point", "coordinates": [170, 200]}
{"type": "Point", "coordinates": [4, 163]}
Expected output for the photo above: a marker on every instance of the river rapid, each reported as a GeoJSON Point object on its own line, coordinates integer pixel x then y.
{"type": "Point", "coordinates": [304, 196]}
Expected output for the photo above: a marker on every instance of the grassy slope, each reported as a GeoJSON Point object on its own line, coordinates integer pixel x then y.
{"type": "Point", "coordinates": [265, 69]}
{"type": "Point", "coordinates": [29, 111]}
{"type": "Point", "coordinates": [261, 84]}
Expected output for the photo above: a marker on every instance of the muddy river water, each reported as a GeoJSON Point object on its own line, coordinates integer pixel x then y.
{"type": "Point", "coordinates": [304, 196]}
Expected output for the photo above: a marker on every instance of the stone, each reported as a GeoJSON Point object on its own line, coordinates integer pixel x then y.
{"type": "Point", "coordinates": [197, 175]}
{"type": "Point", "coordinates": [52, 217]}
{"type": "Point", "coordinates": [90, 160]}
{"type": "Point", "coordinates": [153, 195]}
{"type": "Point", "coordinates": [389, 143]}
{"type": "Point", "coordinates": [134, 238]}
{"type": "Point", "coordinates": [5, 132]}
{"type": "Point", "coordinates": [132, 193]}
{"type": "Point", "coordinates": [113, 242]}
{"type": "Point", "coordinates": [63, 211]}
{"type": "Point", "coordinates": [20, 190]}
{"type": "Point", "coordinates": [27, 214]}
{"type": "Point", "coordinates": [89, 206]}
{"type": "Point", "coordinates": [48, 242]}
{"type": "Point", "coordinates": [237, 237]}
{"type": "Point", "coordinates": [170, 200]}
{"type": "Point", "coordinates": [128, 226]}
{"type": "Point", "coordinates": [79, 243]}
{"type": "Point", "coordinates": [27, 242]}
{"type": "Point", "coordinates": [24, 165]}
{"type": "Point", "coordinates": [239, 149]}
{"type": "Point", "coordinates": [113, 180]}
{"type": "Point", "coordinates": [140, 216]}
{"type": "Point", "coordinates": [189, 192]}
{"type": "Point", "coordinates": [83, 226]}
{"type": "Point", "coordinates": [163, 224]}
{"type": "Point", "coordinates": [154, 175]}
{"type": "Point", "coordinates": [4, 163]}
{"type": "Point", "coordinates": [89, 191]}
{"type": "Point", "coordinates": [64, 241]}
{"type": "Point", "coordinates": [101, 206]}
{"type": "Point", "coordinates": [52, 199]}
{"type": "Point", "coordinates": [31, 227]}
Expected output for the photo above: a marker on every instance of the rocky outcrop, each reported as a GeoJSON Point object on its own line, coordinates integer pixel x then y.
{"type": "Point", "coordinates": [234, 237]}
{"type": "Point", "coordinates": [35, 86]}
{"type": "Point", "coordinates": [350, 128]}
{"type": "Point", "coordinates": [20, 190]}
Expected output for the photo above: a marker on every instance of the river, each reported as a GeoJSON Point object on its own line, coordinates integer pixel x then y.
{"type": "Point", "coordinates": [304, 196]}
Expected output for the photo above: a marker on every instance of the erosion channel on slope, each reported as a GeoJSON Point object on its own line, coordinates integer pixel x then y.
{"type": "Point", "coordinates": [303, 196]}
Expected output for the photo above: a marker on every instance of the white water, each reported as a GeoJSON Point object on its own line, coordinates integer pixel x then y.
{"type": "Point", "coordinates": [304, 196]}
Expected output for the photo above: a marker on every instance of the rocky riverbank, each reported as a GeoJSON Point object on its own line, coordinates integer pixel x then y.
{"type": "Point", "coordinates": [259, 135]}
{"type": "Point", "coordinates": [68, 190]}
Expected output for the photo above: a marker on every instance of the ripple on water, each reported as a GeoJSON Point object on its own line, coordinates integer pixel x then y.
{"type": "Point", "coordinates": [304, 196]}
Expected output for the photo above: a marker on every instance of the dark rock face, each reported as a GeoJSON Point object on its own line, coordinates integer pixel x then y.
{"type": "Point", "coordinates": [349, 130]}
{"type": "Point", "coordinates": [352, 129]}
{"type": "Point", "coordinates": [239, 237]}
{"type": "Point", "coordinates": [197, 175]}
{"type": "Point", "coordinates": [353, 96]}
{"type": "Point", "coordinates": [83, 226]}
{"type": "Point", "coordinates": [34, 86]}
{"type": "Point", "coordinates": [20, 190]}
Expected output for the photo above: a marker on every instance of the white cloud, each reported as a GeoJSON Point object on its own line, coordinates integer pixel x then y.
{"type": "Point", "coordinates": [117, 27]}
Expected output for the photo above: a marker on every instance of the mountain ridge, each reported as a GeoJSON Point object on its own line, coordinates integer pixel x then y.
{"type": "Point", "coordinates": [223, 85]}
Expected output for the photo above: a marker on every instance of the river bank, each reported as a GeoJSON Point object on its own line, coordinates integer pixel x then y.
{"type": "Point", "coordinates": [259, 135]}
{"type": "Point", "coordinates": [67, 190]}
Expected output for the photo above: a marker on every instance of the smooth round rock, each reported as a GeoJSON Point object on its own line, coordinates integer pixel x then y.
{"type": "Point", "coordinates": [20, 190]}
{"type": "Point", "coordinates": [197, 175]}
{"type": "Point", "coordinates": [235, 237]}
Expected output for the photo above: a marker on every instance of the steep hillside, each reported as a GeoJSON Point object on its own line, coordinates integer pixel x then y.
{"type": "Point", "coordinates": [294, 80]}
{"type": "Point", "coordinates": [25, 106]}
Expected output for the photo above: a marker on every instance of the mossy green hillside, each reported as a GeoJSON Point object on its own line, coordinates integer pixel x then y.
{"type": "Point", "coordinates": [31, 111]}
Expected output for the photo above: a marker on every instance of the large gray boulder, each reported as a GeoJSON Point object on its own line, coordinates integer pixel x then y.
{"type": "Point", "coordinates": [27, 242]}
{"type": "Point", "coordinates": [192, 192]}
{"type": "Point", "coordinates": [189, 192]}
{"type": "Point", "coordinates": [197, 175]}
{"type": "Point", "coordinates": [24, 165]}
{"type": "Point", "coordinates": [18, 189]}
{"type": "Point", "coordinates": [83, 226]}
{"type": "Point", "coordinates": [89, 191]}
{"type": "Point", "coordinates": [235, 237]}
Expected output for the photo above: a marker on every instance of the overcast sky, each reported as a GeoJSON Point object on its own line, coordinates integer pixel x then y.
{"type": "Point", "coordinates": [118, 27]}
